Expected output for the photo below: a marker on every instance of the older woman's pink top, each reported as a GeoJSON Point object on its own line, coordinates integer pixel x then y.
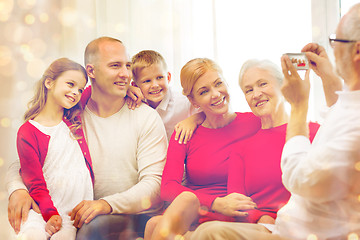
{"type": "Point", "coordinates": [254, 170]}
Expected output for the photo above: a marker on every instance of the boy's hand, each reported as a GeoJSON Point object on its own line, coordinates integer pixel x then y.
{"type": "Point", "coordinates": [184, 130]}
{"type": "Point", "coordinates": [131, 103]}
{"type": "Point", "coordinates": [134, 98]}
{"type": "Point", "coordinates": [53, 224]}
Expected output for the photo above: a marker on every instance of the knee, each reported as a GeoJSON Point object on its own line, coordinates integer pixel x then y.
{"type": "Point", "coordinates": [103, 226]}
{"type": "Point", "coordinates": [188, 198]}
{"type": "Point", "coordinates": [151, 225]}
{"type": "Point", "coordinates": [91, 229]}
{"type": "Point", "coordinates": [209, 230]}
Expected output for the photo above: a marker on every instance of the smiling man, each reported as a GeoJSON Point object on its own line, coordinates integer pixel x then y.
{"type": "Point", "coordinates": [128, 146]}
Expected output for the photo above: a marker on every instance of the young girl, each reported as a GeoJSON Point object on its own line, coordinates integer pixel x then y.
{"type": "Point", "coordinates": [55, 161]}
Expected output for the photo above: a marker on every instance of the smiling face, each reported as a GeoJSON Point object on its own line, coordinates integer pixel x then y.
{"type": "Point", "coordinates": [66, 89]}
{"type": "Point", "coordinates": [111, 71]}
{"type": "Point", "coordinates": [210, 94]}
{"type": "Point", "coordinates": [154, 83]}
{"type": "Point", "coordinates": [262, 91]}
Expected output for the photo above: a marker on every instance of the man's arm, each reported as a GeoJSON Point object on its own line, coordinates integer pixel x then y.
{"type": "Point", "coordinates": [322, 172]}
{"type": "Point", "coordinates": [13, 178]}
{"type": "Point", "coordinates": [20, 201]}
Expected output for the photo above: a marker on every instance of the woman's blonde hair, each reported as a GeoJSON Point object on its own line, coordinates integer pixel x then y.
{"type": "Point", "coordinates": [37, 103]}
{"type": "Point", "coordinates": [193, 70]}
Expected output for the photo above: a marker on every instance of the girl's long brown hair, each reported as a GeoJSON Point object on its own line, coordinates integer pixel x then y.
{"type": "Point", "coordinates": [37, 103]}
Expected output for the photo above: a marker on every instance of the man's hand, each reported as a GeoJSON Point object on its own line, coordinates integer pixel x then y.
{"type": "Point", "coordinates": [19, 206]}
{"type": "Point", "coordinates": [233, 205]}
{"type": "Point", "coordinates": [53, 224]}
{"type": "Point", "coordinates": [318, 59]}
{"type": "Point", "coordinates": [320, 63]}
{"type": "Point", "coordinates": [86, 211]}
{"type": "Point", "coordinates": [295, 90]}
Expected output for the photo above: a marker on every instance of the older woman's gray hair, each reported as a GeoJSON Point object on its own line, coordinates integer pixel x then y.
{"type": "Point", "coordinates": [267, 65]}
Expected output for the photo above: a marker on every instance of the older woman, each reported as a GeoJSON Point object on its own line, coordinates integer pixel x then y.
{"type": "Point", "coordinates": [255, 164]}
{"type": "Point", "coordinates": [205, 156]}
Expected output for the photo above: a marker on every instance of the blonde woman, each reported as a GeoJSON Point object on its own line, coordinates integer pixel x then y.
{"type": "Point", "coordinates": [205, 157]}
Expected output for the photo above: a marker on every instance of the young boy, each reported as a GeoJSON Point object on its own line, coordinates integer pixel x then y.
{"type": "Point", "coordinates": [150, 74]}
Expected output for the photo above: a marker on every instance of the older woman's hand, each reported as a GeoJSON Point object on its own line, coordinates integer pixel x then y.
{"type": "Point", "coordinates": [233, 205]}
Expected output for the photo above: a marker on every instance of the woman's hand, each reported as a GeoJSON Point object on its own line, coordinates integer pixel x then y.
{"type": "Point", "coordinates": [233, 205]}
{"type": "Point", "coordinates": [266, 219]}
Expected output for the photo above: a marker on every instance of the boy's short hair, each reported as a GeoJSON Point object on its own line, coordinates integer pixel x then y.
{"type": "Point", "coordinates": [145, 59]}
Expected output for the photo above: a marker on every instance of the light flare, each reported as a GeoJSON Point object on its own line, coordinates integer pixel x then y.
{"type": "Point", "coordinates": [312, 237]}
{"type": "Point", "coordinates": [29, 19]}
{"type": "Point", "coordinates": [5, 122]}
{"type": "Point", "coordinates": [5, 55]}
{"type": "Point", "coordinates": [357, 166]}
{"type": "Point", "coordinates": [145, 202]}
{"type": "Point", "coordinates": [44, 17]}
{"type": "Point", "coordinates": [164, 232]}
{"type": "Point", "coordinates": [35, 68]}
{"type": "Point", "coordinates": [353, 236]}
